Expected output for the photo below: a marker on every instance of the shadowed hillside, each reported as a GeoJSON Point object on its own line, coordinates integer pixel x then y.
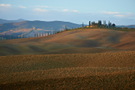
{"type": "Point", "coordinates": [74, 41]}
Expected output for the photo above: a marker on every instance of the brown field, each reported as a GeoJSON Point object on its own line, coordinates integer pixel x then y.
{"type": "Point", "coordinates": [74, 41]}
{"type": "Point", "coordinates": [88, 59]}
{"type": "Point", "coordinates": [69, 71]}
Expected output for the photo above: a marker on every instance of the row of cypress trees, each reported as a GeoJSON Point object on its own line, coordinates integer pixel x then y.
{"type": "Point", "coordinates": [102, 24]}
{"type": "Point", "coordinates": [8, 37]}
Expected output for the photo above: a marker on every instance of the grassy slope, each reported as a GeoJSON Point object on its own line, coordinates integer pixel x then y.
{"type": "Point", "coordinates": [75, 41]}
{"type": "Point", "coordinates": [101, 70]}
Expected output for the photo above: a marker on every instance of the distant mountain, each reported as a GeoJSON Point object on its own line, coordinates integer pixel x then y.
{"type": "Point", "coordinates": [2, 21]}
{"type": "Point", "coordinates": [53, 25]}
{"type": "Point", "coordinates": [34, 28]}
{"type": "Point", "coordinates": [126, 26]}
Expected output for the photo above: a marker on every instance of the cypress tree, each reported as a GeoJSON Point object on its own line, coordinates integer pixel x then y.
{"type": "Point", "coordinates": [113, 25]}
{"type": "Point", "coordinates": [93, 23]}
{"type": "Point", "coordinates": [99, 23]}
{"type": "Point", "coordinates": [109, 24]}
{"type": "Point", "coordinates": [89, 23]}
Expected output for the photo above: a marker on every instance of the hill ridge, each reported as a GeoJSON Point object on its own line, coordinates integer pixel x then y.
{"type": "Point", "coordinates": [72, 41]}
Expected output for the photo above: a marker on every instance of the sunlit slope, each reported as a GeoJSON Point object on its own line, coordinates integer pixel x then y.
{"type": "Point", "coordinates": [74, 41]}
{"type": "Point", "coordinates": [111, 71]}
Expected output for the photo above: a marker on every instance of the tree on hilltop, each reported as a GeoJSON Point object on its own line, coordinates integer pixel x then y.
{"type": "Point", "coordinates": [99, 23]}
{"type": "Point", "coordinates": [89, 23]}
{"type": "Point", "coordinates": [109, 24]}
{"type": "Point", "coordinates": [113, 25]}
{"type": "Point", "coordinates": [93, 23]}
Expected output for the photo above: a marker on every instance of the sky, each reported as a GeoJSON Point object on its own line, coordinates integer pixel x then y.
{"type": "Point", "coordinates": [120, 12]}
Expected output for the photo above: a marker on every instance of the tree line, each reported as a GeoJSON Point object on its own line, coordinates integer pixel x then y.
{"type": "Point", "coordinates": [100, 24]}
{"type": "Point", "coordinates": [8, 37]}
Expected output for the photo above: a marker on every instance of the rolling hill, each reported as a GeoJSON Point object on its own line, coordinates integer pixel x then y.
{"type": "Point", "coordinates": [79, 59]}
{"type": "Point", "coordinates": [24, 28]}
{"type": "Point", "coordinates": [74, 41]}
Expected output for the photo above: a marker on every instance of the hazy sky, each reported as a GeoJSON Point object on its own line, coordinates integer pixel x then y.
{"type": "Point", "coordinates": [77, 11]}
